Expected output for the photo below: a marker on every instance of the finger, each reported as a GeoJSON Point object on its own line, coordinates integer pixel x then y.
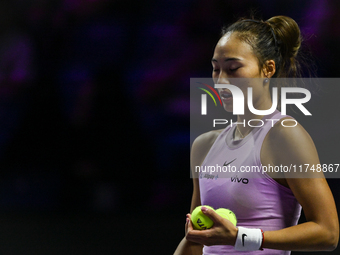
{"type": "Point", "coordinates": [212, 214]}
{"type": "Point", "coordinates": [186, 226]}
{"type": "Point", "coordinates": [188, 223]}
{"type": "Point", "coordinates": [190, 226]}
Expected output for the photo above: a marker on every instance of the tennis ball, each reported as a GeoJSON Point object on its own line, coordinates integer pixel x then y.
{"type": "Point", "coordinates": [200, 220]}
{"type": "Point", "coordinates": [228, 214]}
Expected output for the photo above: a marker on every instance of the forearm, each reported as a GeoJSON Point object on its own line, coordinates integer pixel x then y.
{"type": "Point", "coordinates": [308, 236]}
{"type": "Point", "coordinates": [186, 247]}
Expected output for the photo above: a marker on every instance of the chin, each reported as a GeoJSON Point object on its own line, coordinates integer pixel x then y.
{"type": "Point", "coordinates": [228, 108]}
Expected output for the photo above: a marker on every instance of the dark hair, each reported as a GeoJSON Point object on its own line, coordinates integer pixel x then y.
{"type": "Point", "coordinates": [278, 39]}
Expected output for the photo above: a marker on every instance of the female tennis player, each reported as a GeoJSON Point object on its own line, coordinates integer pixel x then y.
{"type": "Point", "coordinates": [267, 209]}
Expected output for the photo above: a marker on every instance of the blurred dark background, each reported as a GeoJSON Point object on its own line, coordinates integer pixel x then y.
{"type": "Point", "coordinates": [94, 107]}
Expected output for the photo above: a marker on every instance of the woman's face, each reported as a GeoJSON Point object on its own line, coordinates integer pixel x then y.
{"type": "Point", "coordinates": [234, 58]}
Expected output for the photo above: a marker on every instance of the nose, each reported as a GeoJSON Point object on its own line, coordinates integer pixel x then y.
{"type": "Point", "coordinates": [222, 78]}
{"type": "Point", "coordinates": [222, 81]}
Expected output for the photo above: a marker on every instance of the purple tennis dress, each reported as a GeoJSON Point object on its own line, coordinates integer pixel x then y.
{"type": "Point", "coordinates": [257, 200]}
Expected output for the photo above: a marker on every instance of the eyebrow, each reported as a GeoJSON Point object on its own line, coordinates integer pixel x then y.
{"type": "Point", "coordinates": [227, 59]}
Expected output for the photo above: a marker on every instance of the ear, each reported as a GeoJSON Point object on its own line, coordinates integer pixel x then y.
{"type": "Point", "coordinates": [269, 68]}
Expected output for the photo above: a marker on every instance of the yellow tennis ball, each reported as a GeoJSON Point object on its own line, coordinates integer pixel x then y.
{"type": "Point", "coordinates": [200, 220]}
{"type": "Point", "coordinates": [227, 214]}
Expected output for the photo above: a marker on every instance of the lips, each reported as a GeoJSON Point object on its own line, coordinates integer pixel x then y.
{"type": "Point", "coordinates": [226, 96]}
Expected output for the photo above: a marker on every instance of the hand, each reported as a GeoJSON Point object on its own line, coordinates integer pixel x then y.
{"type": "Point", "coordinates": [223, 231]}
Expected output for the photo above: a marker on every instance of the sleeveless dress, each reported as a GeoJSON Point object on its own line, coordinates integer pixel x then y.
{"type": "Point", "coordinates": [257, 200]}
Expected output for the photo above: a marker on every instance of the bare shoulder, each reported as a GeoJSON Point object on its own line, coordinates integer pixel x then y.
{"type": "Point", "coordinates": [203, 142]}
{"type": "Point", "coordinates": [289, 146]}
{"type": "Point", "coordinates": [206, 139]}
{"type": "Point", "coordinates": [289, 138]}
{"type": "Point", "coordinates": [202, 145]}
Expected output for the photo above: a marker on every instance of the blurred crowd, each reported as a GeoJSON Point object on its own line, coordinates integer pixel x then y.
{"type": "Point", "coordinates": [94, 94]}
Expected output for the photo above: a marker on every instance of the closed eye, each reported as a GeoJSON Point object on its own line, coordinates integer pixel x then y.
{"type": "Point", "coordinates": [233, 70]}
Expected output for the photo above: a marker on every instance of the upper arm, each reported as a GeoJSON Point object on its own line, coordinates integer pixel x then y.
{"type": "Point", "coordinates": [294, 147]}
{"type": "Point", "coordinates": [199, 151]}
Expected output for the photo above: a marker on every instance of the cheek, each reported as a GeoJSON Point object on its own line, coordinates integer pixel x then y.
{"type": "Point", "coordinates": [251, 68]}
{"type": "Point", "coordinates": [253, 71]}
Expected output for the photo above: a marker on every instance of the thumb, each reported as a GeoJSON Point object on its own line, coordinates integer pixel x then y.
{"type": "Point", "coordinates": [211, 214]}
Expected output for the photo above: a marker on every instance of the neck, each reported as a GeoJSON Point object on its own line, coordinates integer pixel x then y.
{"type": "Point", "coordinates": [243, 127]}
